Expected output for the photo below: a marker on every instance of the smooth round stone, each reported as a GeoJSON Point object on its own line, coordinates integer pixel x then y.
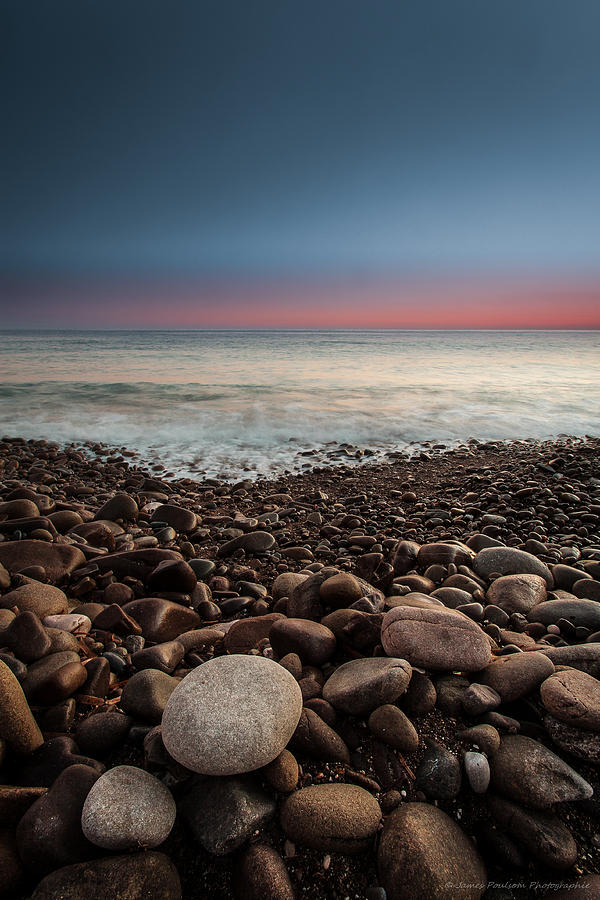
{"type": "Point", "coordinates": [361, 685]}
{"type": "Point", "coordinates": [336, 818]}
{"type": "Point", "coordinates": [138, 876]}
{"type": "Point", "coordinates": [121, 506]}
{"type": "Point", "coordinates": [41, 599]}
{"type": "Point", "coordinates": [17, 725]}
{"type": "Point", "coordinates": [285, 583]}
{"type": "Point", "coordinates": [202, 567]}
{"type": "Point", "coordinates": [527, 772]}
{"type": "Point", "coordinates": [438, 774]}
{"type": "Point", "coordinates": [578, 612]}
{"type": "Point", "coordinates": [282, 773]}
{"type": "Point", "coordinates": [128, 808]}
{"type": "Point", "coordinates": [424, 853]}
{"type": "Point", "coordinates": [439, 639]}
{"type": "Point", "coordinates": [262, 874]}
{"type": "Point", "coordinates": [180, 518]}
{"type": "Point", "coordinates": [49, 835]}
{"type": "Point", "coordinates": [517, 593]}
{"type": "Point", "coordinates": [510, 561]}
{"type": "Point", "coordinates": [314, 643]}
{"type": "Point", "coordinates": [232, 714]}
{"type": "Point", "coordinates": [477, 769]}
{"type": "Point", "coordinates": [72, 622]}
{"type": "Point", "coordinates": [393, 727]}
{"type": "Point", "coordinates": [57, 560]}
{"type": "Point", "coordinates": [573, 697]}
{"type": "Point", "coordinates": [146, 694]}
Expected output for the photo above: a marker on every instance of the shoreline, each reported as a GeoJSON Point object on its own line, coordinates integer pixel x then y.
{"type": "Point", "coordinates": [542, 497]}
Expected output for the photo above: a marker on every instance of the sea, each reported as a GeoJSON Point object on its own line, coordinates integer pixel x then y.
{"type": "Point", "coordinates": [234, 404]}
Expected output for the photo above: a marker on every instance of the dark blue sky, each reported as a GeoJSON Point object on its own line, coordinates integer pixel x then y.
{"type": "Point", "coordinates": [300, 137]}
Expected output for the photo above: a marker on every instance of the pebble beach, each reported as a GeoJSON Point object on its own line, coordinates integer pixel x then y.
{"type": "Point", "coordinates": [374, 682]}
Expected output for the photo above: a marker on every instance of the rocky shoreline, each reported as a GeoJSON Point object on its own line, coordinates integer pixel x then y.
{"type": "Point", "coordinates": [375, 682]}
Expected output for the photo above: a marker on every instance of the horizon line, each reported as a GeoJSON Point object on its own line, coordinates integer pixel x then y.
{"type": "Point", "coordinates": [299, 328]}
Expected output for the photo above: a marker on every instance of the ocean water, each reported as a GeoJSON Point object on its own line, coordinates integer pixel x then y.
{"type": "Point", "coordinates": [232, 402]}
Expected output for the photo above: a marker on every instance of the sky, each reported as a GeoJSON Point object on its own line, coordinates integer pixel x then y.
{"type": "Point", "coordinates": [348, 163]}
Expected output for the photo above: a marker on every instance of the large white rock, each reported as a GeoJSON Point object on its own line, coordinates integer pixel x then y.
{"type": "Point", "coordinates": [232, 714]}
{"type": "Point", "coordinates": [127, 808]}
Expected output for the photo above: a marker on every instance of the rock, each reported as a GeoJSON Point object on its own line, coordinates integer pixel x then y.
{"type": "Point", "coordinates": [178, 517]}
{"type": "Point", "coordinates": [231, 715]}
{"type": "Point", "coordinates": [450, 689]}
{"type": "Point", "coordinates": [420, 696]}
{"type": "Point", "coordinates": [477, 769]}
{"type": "Point", "coordinates": [121, 506]}
{"type": "Point", "coordinates": [75, 623]}
{"type": "Point", "coordinates": [573, 697]}
{"type": "Point", "coordinates": [282, 773]}
{"type": "Point", "coordinates": [35, 597]}
{"type": "Point", "coordinates": [26, 637]}
{"type": "Point", "coordinates": [285, 583]}
{"type": "Point", "coordinates": [587, 588]}
{"type": "Point", "coordinates": [57, 560]}
{"type": "Point", "coordinates": [515, 676]}
{"type": "Point", "coordinates": [484, 737]}
{"type": "Point", "coordinates": [335, 818]}
{"type": "Point", "coordinates": [541, 833]}
{"type": "Point", "coordinates": [246, 634]}
{"type": "Point", "coordinates": [102, 732]}
{"type": "Point", "coordinates": [135, 563]}
{"type": "Point", "coordinates": [165, 657]}
{"type": "Point", "coordinates": [314, 643]}
{"type": "Point", "coordinates": [56, 754]}
{"type": "Point", "coordinates": [12, 871]}
{"type": "Point", "coordinates": [146, 694]}
{"type": "Point", "coordinates": [578, 612]}
{"type": "Point", "coordinates": [262, 874]}
{"type": "Point", "coordinates": [585, 657]}
{"type": "Point", "coordinates": [62, 642]}
{"type": "Point", "coordinates": [315, 738]}
{"type": "Point", "coordinates": [424, 853]}
{"type": "Point", "coordinates": [576, 741]}
{"type": "Point", "coordinates": [114, 618]}
{"type": "Point", "coordinates": [139, 876]}
{"type": "Point", "coordinates": [15, 801]}
{"type": "Point", "coordinates": [566, 576]}
{"type": "Point", "coordinates": [172, 575]}
{"type": "Point", "coordinates": [49, 835]}
{"type": "Point", "coordinates": [40, 674]}
{"type": "Point", "coordinates": [341, 591]}
{"type": "Point", "coordinates": [510, 561]}
{"type": "Point", "coordinates": [527, 772]}
{"type": "Point", "coordinates": [128, 808]}
{"type": "Point", "coordinates": [517, 593]}
{"type": "Point", "coordinates": [404, 557]}
{"type": "Point", "coordinates": [17, 725]}
{"type": "Point", "coordinates": [438, 774]}
{"type": "Point", "coordinates": [254, 542]}
{"type": "Point", "coordinates": [224, 812]}
{"type": "Point", "coordinates": [478, 699]}
{"type": "Point", "coordinates": [361, 685]}
{"type": "Point", "coordinates": [390, 725]}
{"type": "Point", "coordinates": [161, 620]}
{"type": "Point", "coordinates": [443, 554]}
{"type": "Point", "coordinates": [439, 639]}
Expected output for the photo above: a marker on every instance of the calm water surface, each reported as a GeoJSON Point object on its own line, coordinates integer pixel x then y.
{"type": "Point", "coordinates": [222, 401]}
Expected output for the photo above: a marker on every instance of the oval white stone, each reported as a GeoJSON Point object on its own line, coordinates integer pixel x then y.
{"type": "Point", "coordinates": [127, 808]}
{"type": "Point", "coordinates": [232, 714]}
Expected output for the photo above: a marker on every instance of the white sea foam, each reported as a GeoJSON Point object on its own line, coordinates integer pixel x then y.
{"type": "Point", "coordinates": [224, 402]}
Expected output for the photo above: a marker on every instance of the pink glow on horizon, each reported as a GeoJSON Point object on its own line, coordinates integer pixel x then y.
{"type": "Point", "coordinates": [474, 304]}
